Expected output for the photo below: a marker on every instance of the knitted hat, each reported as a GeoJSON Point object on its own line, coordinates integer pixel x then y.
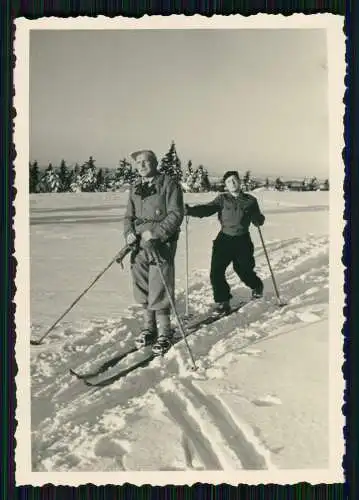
{"type": "Point", "coordinates": [229, 173]}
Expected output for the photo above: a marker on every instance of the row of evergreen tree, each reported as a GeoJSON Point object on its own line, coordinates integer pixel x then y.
{"type": "Point", "coordinates": [89, 178]}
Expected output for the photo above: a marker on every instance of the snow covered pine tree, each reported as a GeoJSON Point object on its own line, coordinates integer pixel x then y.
{"type": "Point", "coordinates": [201, 183]}
{"type": "Point", "coordinates": [75, 184]}
{"type": "Point", "coordinates": [171, 164]}
{"type": "Point", "coordinates": [89, 176]}
{"type": "Point", "coordinates": [34, 177]}
{"type": "Point", "coordinates": [64, 177]}
{"type": "Point", "coordinates": [188, 178]}
{"type": "Point", "coordinates": [50, 182]}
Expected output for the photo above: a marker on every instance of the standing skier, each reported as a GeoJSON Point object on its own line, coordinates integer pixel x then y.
{"type": "Point", "coordinates": [233, 244]}
{"type": "Point", "coordinates": [153, 218]}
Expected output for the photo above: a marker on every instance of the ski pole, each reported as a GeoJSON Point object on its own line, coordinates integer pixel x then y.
{"type": "Point", "coordinates": [179, 323]}
{"type": "Point", "coordinates": [280, 303]}
{"type": "Point", "coordinates": [39, 341]}
{"type": "Point", "coordinates": [187, 298]}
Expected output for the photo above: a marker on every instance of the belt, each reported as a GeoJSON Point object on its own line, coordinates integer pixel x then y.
{"type": "Point", "coordinates": [138, 222]}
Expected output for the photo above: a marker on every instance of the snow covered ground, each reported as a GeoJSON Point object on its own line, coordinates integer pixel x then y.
{"type": "Point", "coordinates": [264, 392]}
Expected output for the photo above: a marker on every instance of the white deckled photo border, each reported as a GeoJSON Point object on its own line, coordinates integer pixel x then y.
{"type": "Point", "coordinates": [336, 71]}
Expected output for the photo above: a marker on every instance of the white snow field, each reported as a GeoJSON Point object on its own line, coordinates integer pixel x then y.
{"type": "Point", "coordinates": [260, 399]}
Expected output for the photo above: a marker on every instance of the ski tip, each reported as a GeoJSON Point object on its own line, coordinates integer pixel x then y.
{"type": "Point", "coordinates": [88, 383]}
{"type": "Point", "coordinates": [76, 375]}
{"type": "Point", "coordinates": [96, 385]}
{"type": "Point", "coordinates": [282, 304]}
{"type": "Point", "coordinates": [80, 376]}
{"type": "Point", "coordinates": [35, 342]}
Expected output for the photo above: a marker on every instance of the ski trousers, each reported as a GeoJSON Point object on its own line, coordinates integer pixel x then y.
{"type": "Point", "coordinates": [148, 288]}
{"type": "Point", "coordinates": [237, 250]}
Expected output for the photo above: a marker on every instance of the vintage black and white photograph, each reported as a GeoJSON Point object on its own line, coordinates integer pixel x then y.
{"type": "Point", "coordinates": [178, 235]}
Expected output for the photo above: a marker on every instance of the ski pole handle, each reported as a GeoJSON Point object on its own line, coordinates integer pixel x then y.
{"type": "Point", "coordinates": [122, 254]}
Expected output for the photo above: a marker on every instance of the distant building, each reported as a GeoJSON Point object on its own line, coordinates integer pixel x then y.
{"type": "Point", "coordinates": [296, 186]}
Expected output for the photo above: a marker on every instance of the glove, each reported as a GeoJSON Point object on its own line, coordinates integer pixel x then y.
{"type": "Point", "coordinates": [122, 254]}
{"type": "Point", "coordinates": [259, 222]}
{"type": "Point", "coordinates": [131, 238]}
{"type": "Point", "coordinates": [147, 236]}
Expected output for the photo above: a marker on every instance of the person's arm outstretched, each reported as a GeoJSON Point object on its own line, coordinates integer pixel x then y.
{"type": "Point", "coordinates": [206, 209]}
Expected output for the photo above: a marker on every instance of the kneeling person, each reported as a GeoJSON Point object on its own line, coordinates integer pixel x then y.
{"type": "Point", "coordinates": [152, 223]}
{"type": "Point", "coordinates": [236, 211]}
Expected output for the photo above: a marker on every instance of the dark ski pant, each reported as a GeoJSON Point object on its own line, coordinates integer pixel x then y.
{"type": "Point", "coordinates": [237, 250]}
{"type": "Point", "coordinates": [148, 287]}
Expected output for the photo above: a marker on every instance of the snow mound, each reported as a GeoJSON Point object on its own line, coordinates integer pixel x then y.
{"type": "Point", "coordinates": [308, 317]}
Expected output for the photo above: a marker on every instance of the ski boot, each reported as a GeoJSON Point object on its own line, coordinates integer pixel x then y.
{"type": "Point", "coordinates": [148, 334]}
{"type": "Point", "coordinates": [162, 345]}
{"type": "Point", "coordinates": [146, 337]}
{"type": "Point", "coordinates": [257, 293]}
{"type": "Point", "coordinates": [165, 333]}
{"type": "Point", "coordinates": [222, 308]}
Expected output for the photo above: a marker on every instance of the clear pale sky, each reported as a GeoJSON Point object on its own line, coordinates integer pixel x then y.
{"type": "Point", "coordinates": [230, 99]}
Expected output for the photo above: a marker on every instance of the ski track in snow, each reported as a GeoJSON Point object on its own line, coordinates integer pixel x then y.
{"type": "Point", "coordinates": [212, 437]}
{"type": "Point", "coordinates": [233, 449]}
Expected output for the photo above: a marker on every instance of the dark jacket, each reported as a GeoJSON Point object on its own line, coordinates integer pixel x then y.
{"type": "Point", "coordinates": [234, 213]}
{"type": "Point", "coordinates": [159, 209]}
